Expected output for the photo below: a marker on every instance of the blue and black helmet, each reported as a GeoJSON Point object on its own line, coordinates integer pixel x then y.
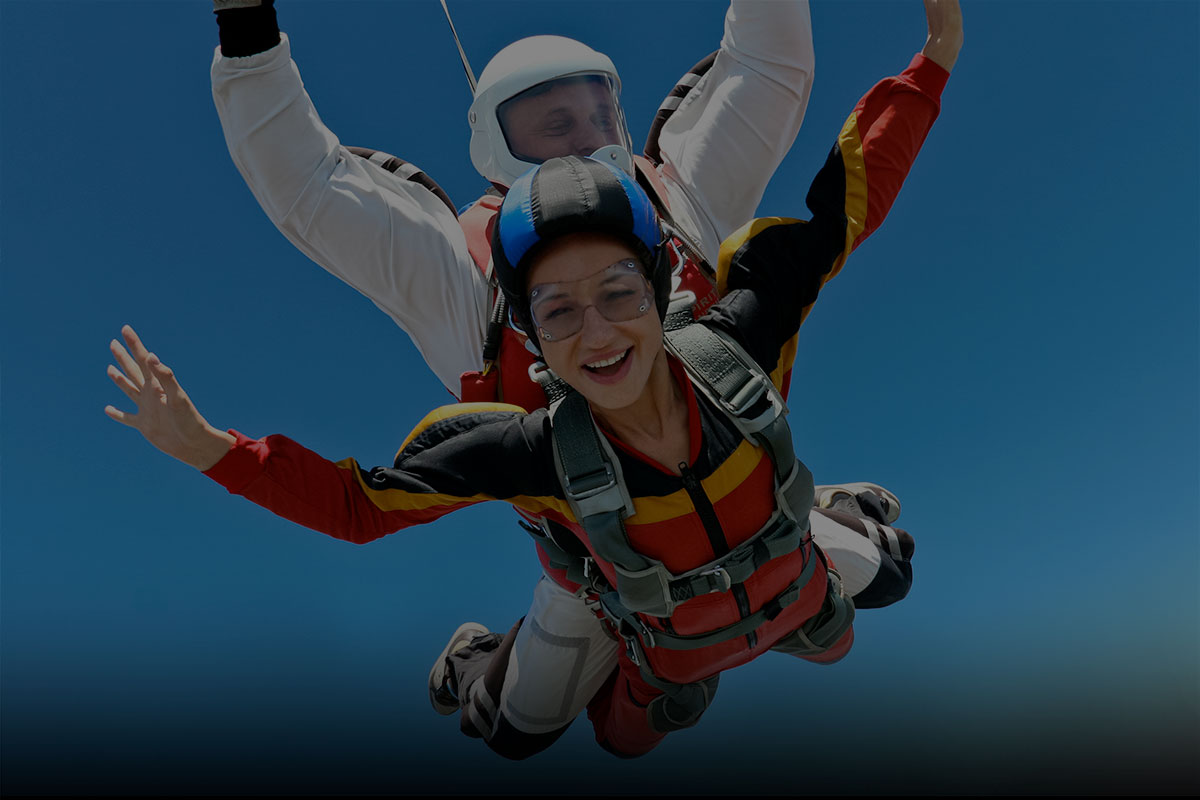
{"type": "Point", "coordinates": [574, 195]}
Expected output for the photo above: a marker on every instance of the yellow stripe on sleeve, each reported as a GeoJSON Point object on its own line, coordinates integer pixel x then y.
{"type": "Point", "coordinates": [401, 500]}
{"type": "Point", "coordinates": [734, 241]}
{"type": "Point", "coordinates": [455, 410]}
{"type": "Point", "coordinates": [851, 146]}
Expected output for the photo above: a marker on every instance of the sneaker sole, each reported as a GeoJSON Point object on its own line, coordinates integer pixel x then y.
{"type": "Point", "coordinates": [826, 494]}
{"type": "Point", "coordinates": [461, 637]}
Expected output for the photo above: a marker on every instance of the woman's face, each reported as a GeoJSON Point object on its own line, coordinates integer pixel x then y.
{"type": "Point", "coordinates": [608, 362]}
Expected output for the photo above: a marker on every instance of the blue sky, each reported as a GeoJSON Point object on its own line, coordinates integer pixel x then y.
{"type": "Point", "coordinates": [1016, 354]}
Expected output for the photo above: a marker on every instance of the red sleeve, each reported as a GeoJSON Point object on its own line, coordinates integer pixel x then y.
{"type": "Point", "coordinates": [886, 132]}
{"type": "Point", "coordinates": [298, 484]}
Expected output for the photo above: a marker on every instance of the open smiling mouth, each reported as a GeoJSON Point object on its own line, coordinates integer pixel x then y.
{"type": "Point", "coordinates": [608, 366]}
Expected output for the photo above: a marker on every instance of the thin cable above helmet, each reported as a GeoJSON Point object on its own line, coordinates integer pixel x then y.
{"type": "Point", "coordinates": [528, 63]}
{"type": "Point", "coordinates": [574, 195]}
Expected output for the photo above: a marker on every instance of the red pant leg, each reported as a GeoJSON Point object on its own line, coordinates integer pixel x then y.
{"type": "Point", "coordinates": [618, 712]}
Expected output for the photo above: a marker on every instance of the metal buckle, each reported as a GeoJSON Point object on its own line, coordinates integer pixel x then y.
{"type": "Point", "coordinates": [592, 484]}
{"type": "Point", "coordinates": [647, 635]}
{"type": "Point", "coordinates": [724, 575]}
{"type": "Point", "coordinates": [746, 396]}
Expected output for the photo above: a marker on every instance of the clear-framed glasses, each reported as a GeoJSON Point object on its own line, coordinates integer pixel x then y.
{"type": "Point", "coordinates": [620, 292]}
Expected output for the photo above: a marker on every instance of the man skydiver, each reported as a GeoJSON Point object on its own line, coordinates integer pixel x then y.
{"type": "Point", "coordinates": [366, 224]}
{"type": "Point", "coordinates": [403, 247]}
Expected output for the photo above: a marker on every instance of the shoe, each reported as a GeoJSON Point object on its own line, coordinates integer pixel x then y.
{"type": "Point", "coordinates": [441, 696]}
{"type": "Point", "coordinates": [860, 499]}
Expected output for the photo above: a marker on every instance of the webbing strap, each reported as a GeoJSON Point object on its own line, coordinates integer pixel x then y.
{"type": "Point", "coordinates": [726, 375]}
{"type": "Point", "coordinates": [591, 479]}
{"type": "Point", "coordinates": [779, 537]}
{"type": "Point", "coordinates": [638, 634]}
{"type": "Point", "coordinates": [678, 316]}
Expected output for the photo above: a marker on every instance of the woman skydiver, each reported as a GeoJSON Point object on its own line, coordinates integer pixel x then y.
{"type": "Point", "coordinates": [718, 520]}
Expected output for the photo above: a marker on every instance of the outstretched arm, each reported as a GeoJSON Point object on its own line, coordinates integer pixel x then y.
{"type": "Point", "coordinates": [731, 131]}
{"type": "Point", "coordinates": [446, 463]}
{"type": "Point", "coordinates": [881, 138]}
{"type": "Point", "coordinates": [391, 239]}
{"type": "Point", "coordinates": [773, 268]}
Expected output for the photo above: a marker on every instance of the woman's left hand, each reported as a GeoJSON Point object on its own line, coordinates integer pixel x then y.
{"type": "Point", "coordinates": [944, 18]}
{"type": "Point", "coordinates": [165, 414]}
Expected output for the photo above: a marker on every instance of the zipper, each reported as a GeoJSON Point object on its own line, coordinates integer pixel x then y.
{"type": "Point", "coordinates": [716, 538]}
{"type": "Point", "coordinates": [704, 508]}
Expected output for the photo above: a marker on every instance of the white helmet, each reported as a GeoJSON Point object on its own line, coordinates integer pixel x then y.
{"type": "Point", "coordinates": [523, 65]}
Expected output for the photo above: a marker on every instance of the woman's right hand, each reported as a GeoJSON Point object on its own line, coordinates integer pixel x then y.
{"type": "Point", "coordinates": [165, 414]}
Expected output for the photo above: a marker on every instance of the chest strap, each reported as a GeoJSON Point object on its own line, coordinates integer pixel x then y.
{"type": "Point", "coordinates": [631, 626]}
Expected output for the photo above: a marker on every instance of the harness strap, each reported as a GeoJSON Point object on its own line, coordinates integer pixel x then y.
{"type": "Point", "coordinates": [823, 630]}
{"type": "Point", "coordinates": [725, 372]}
{"type": "Point", "coordinates": [672, 101]}
{"type": "Point", "coordinates": [780, 536]}
{"type": "Point", "coordinates": [405, 170]}
{"type": "Point", "coordinates": [650, 181]}
{"type": "Point", "coordinates": [591, 479]}
{"type": "Point", "coordinates": [639, 635]}
{"type": "Point", "coordinates": [727, 375]}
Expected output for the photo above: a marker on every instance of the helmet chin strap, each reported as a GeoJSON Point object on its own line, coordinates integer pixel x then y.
{"type": "Point", "coordinates": [616, 155]}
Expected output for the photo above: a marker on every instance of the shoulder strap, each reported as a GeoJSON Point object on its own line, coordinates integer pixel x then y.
{"type": "Point", "coordinates": [591, 478]}
{"type": "Point", "coordinates": [725, 373]}
{"type": "Point", "coordinates": [404, 169]}
{"type": "Point", "coordinates": [672, 101]}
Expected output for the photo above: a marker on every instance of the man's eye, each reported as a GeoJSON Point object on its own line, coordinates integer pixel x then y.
{"type": "Point", "coordinates": [603, 122]}
{"type": "Point", "coordinates": [617, 295]}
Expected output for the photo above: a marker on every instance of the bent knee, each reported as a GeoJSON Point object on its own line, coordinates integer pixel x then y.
{"type": "Point", "coordinates": [891, 584]}
{"type": "Point", "coordinates": [516, 745]}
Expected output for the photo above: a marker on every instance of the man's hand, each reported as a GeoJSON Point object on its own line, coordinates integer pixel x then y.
{"type": "Point", "coordinates": [945, 32]}
{"type": "Point", "coordinates": [165, 415]}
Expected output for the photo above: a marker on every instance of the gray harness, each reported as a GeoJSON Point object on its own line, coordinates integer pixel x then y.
{"type": "Point", "coordinates": [590, 475]}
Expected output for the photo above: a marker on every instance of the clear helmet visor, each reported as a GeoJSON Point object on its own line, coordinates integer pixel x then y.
{"type": "Point", "coordinates": [573, 115]}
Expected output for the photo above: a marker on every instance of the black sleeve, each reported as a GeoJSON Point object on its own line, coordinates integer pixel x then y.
{"type": "Point", "coordinates": [777, 267]}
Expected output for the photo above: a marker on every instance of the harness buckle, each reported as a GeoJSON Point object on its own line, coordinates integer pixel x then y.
{"type": "Point", "coordinates": [757, 387]}
{"type": "Point", "coordinates": [591, 484]}
{"type": "Point", "coordinates": [746, 395]}
{"type": "Point", "coordinates": [642, 632]}
{"type": "Point", "coordinates": [647, 635]}
{"type": "Point", "coordinates": [723, 574]}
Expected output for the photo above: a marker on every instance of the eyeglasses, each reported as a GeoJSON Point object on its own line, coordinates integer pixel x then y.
{"type": "Point", "coordinates": [620, 292]}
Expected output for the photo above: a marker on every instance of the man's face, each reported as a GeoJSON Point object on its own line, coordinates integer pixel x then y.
{"type": "Point", "coordinates": [568, 117]}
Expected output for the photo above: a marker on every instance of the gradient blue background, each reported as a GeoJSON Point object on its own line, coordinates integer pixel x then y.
{"type": "Point", "coordinates": [1015, 354]}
